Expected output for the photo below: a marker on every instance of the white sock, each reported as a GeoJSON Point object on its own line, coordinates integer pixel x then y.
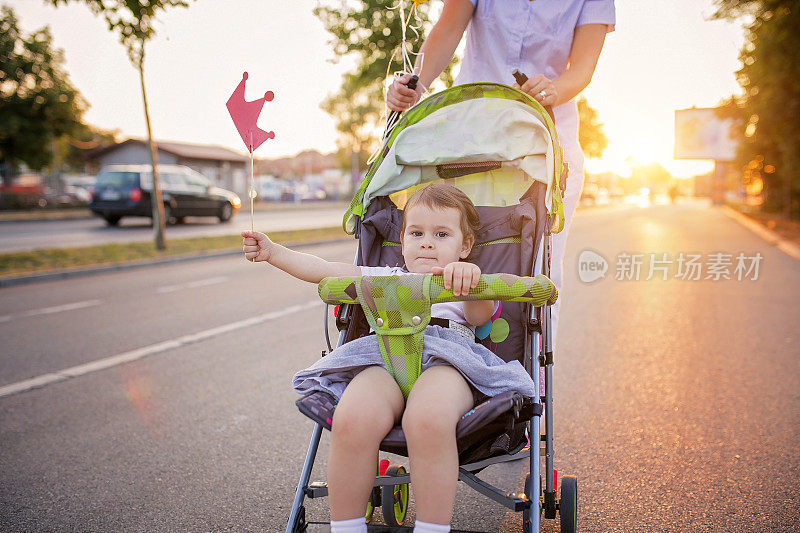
{"type": "Point", "coordinates": [354, 525]}
{"type": "Point", "coordinates": [425, 527]}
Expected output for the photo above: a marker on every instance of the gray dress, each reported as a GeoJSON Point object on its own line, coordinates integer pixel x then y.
{"type": "Point", "coordinates": [482, 369]}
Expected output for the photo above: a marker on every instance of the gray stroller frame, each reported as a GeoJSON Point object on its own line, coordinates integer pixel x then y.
{"type": "Point", "coordinates": [540, 338]}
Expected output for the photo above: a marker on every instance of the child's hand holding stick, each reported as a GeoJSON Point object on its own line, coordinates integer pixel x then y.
{"type": "Point", "coordinates": [256, 246]}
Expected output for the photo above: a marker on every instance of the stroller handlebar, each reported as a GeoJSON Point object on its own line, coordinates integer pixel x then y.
{"type": "Point", "coordinates": [538, 290]}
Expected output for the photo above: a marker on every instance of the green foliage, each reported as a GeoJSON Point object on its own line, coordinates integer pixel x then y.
{"type": "Point", "coordinates": [37, 101]}
{"type": "Point", "coordinates": [769, 111]}
{"type": "Point", "coordinates": [590, 132]}
{"type": "Point", "coordinates": [371, 33]}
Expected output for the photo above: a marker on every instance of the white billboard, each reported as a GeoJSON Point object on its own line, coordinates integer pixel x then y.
{"type": "Point", "coordinates": [701, 134]}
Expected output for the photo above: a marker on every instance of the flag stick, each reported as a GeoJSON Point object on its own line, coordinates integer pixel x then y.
{"type": "Point", "coordinates": [252, 190]}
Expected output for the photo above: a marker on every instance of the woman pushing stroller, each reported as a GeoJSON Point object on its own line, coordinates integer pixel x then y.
{"type": "Point", "coordinates": [557, 44]}
{"type": "Point", "coordinates": [437, 234]}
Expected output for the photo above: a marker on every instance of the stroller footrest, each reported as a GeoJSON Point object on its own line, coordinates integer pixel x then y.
{"type": "Point", "coordinates": [388, 481]}
{"type": "Point", "coordinates": [318, 489]}
{"type": "Point", "coordinates": [512, 501]}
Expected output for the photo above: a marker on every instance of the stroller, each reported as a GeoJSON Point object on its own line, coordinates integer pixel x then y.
{"type": "Point", "coordinates": [500, 147]}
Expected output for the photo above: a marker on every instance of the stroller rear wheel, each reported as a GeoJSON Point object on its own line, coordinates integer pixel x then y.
{"type": "Point", "coordinates": [568, 506]}
{"type": "Point", "coordinates": [526, 513]}
{"type": "Point", "coordinates": [373, 502]}
{"type": "Point", "coordinates": [394, 498]}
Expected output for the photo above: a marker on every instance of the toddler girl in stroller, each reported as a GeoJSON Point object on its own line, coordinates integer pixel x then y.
{"type": "Point", "coordinates": [437, 232]}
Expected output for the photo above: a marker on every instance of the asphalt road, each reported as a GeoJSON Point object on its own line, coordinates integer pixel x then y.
{"type": "Point", "coordinates": [29, 235]}
{"type": "Point", "coordinates": [677, 403]}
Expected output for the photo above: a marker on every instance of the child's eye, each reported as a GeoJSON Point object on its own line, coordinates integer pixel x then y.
{"type": "Point", "coordinates": [415, 233]}
{"type": "Point", "coordinates": [442, 234]}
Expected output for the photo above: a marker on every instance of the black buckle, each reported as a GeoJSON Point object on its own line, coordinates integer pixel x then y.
{"type": "Point", "coordinates": [441, 322]}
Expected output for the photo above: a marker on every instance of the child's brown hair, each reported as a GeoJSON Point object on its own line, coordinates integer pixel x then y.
{"type": "Point", "coordinates": [441, 195]}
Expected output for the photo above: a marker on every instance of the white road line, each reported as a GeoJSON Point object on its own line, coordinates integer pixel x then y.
{"type": "Point", "coordinates": [191, 285]}
{"type": "Point", "coordinates": [133, 355]}
{"type": "Point", "coordinates": [54, 309]}
{"type": "Point", "coordinates": [60, 308]}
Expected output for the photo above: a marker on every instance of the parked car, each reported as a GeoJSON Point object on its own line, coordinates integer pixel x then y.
{"type": "Point", "coordinates": [70, 196]}
{"type": "Point", "coordinates": [124, 190]}
{"type": "Point", "coordinates": [269, 189]}
{"type": "Point", "coordinates": [23, 192]}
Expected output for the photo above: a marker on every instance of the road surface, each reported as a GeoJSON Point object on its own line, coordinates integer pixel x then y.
{"type": "Point", "coordinates": [676, 401]}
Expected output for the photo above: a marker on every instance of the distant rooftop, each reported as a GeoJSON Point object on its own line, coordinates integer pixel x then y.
{"type": "Point", "coordinates": [185, 150]}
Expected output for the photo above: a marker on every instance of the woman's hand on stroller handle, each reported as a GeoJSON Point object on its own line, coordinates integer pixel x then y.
{"type": "Point", "coordinates": [540, 88]}
{"type": "Point", "coordinates": [404, 92]}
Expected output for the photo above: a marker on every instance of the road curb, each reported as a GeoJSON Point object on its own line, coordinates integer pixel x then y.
{"type": "Point", "coordinates": [788, 247]}
{"type": "Point", "coordinates": [88, 215]}
{"type": "Point", "coordinates": [54, 219]}
{"type": "Point", "coordinates": [89, 271]}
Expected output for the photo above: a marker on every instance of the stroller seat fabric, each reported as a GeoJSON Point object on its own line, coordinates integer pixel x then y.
{"type": "Point", "coordinates": [502, 416]}
{"type": "Point", "coordinates": [504, 243]}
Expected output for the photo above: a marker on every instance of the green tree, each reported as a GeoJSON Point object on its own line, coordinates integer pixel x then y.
{"type": "Point", "coordinates": [372, 33]}
{"type": "Point", "coordinates": [38, 104]}
{"type": "Point", "coordinates": [133, 20]}
{"type": "Point", "coordinates": [590, 131]}
{"type": "Point", "coordinates": [769, 110]}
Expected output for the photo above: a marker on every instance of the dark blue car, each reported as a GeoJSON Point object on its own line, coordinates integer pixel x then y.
{"type": "Point", "coordinates": [125, 190]}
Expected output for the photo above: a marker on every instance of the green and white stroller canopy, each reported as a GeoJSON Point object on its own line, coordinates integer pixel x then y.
{"type": "Point", "coordinates": [489, 140]}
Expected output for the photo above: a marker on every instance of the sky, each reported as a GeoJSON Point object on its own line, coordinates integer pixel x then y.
{"type": "Point", "coordinates": [664, 55]}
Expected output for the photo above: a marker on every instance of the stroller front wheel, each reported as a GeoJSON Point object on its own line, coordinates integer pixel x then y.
{"type": "Point", "coordinates": [568, 506]}
{"type": "Point", "coordinates": [394, 499]}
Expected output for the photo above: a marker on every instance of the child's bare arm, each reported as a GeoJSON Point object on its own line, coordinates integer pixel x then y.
{"type": "Point", "coordinates": [462, 277]}
{"type": "Point", "coordinates": [258, 247]}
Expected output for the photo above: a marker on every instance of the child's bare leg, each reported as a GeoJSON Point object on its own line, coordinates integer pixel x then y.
{"type": "Point", "coordinates": [437, 402]}
{"type": "Point", "coordinates": [370, 407]}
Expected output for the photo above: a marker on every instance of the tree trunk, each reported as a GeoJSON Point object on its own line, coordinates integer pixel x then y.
{"type": "Point", "coordinates": [159, 224]}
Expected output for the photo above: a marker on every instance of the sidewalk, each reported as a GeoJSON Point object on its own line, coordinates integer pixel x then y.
{"type": "Point", "coordinates": [773, 228]}
{"type": "Point", "coordinates": [75, 213]}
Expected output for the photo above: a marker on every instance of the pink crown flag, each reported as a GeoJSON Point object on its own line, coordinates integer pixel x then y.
{"type": "Point", "coordinates": [245, 115]}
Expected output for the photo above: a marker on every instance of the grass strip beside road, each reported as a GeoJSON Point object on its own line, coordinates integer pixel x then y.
{"type": "Point", "coordinates": [59, 259]}
{"type": "Point", "coordinates": [66, 213]}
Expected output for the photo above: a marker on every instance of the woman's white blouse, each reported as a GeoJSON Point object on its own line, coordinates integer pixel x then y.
{"type": "Point", "coordinates": [534, 36]}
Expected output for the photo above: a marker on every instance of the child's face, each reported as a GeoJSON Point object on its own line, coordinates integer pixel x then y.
{"type": "Point", "coordinates": [433, 237]}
